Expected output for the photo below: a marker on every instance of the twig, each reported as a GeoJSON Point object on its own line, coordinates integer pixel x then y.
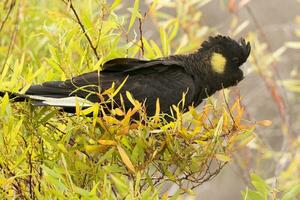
{"type": "Point", "coordinates": [211, 176]}
{"type": "Point", "coordinates": [94, 48]}
{"type": "Point", "coordinates": [141, 35]}
{"type": "Point", "coordinates": [13, 38]}
{"type": "Point", "coordinates": [11, 6]}
{"type": "Point", "coordinates": [228, 108]}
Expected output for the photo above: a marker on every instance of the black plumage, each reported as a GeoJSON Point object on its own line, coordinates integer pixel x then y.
{"type": "Point", "coordinates": [199, 74]}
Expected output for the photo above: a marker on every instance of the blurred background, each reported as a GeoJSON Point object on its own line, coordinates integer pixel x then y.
{"type": "Point", "coordinates": [267, 91]}
{"type": "Point", "coordinates": [275, 23]}
{"type": "Point", "coordinates": [46, 37]}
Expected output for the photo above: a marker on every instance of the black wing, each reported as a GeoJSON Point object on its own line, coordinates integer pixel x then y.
{"type": "Point", "coordinates": [147, 80]}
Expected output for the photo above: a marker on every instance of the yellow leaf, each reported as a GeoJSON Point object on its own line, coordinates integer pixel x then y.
{"type": "Point", "coordinates": [134, 13]}
{"type": "Point", "coordinates": [165, 196]}
{"type": "Point", "coordinates": [264, 123]}
{"type": "Point", "coordinates": [95, 148]}
{"type": "Point", "coordinates": [89, 110]}
{"type": "Point", "coordinates": [125, 159]}
{"type": "Point", "coordinates": [109, 90]}
{"type": "Point", "coordinates": [107, 142]}
{"type": "Point", "coordinates": [77, 107]}
{"type": "Point", "coordinates": [201, 142]}
{"type": "Point", "coordinates": [111, 120]}
{"type": "Point", "coordinates": [240, 112]}
{"type": "Point", "coordinates": [157, 111]}
{"type": "Point", "coordinates": [218, 129]}
{"type": "Point", "coordinates": [119, 112]}
{"type": "Point", "coordinates": [244, 138]}
{"type": "Point", "coordinates": [115, 4]}
{"type": "Point", "coordinates": [164, 41]}
{"type": "Point", "coordinates": [223, 157]}
{"type": "Point", "coordinates": [120, 87]}
{"type": "Point", "coordinates": [130, 98]}
{"type": "Point", "coordinates": [136, 108]}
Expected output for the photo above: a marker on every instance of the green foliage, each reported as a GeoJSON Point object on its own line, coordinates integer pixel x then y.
{"type": "Point", "coordinates": [47, 154]}
{"type": "Point", "coordinates": [264, 191]}
{"type": "Point", "coordinates": [261, 192]}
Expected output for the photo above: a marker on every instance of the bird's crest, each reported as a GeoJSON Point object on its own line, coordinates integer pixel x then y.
{"type": "Point", "coordinates": [212, 41]}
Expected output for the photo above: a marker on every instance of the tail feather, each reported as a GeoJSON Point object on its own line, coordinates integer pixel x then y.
{"type": "Point", "coordinates": [48, 99]}
{"type": "Point", "coordinates": [15, 97]}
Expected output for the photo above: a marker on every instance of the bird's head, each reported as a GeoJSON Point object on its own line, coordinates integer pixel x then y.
{"type": "Point", "coordinates": [225, 56]}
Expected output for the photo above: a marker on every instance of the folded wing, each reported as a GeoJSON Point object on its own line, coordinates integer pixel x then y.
{"type": "Point", "coordinates": [146, 80]}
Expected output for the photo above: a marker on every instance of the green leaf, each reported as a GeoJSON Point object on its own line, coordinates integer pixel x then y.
{"type": "Point", "coordinates": [134, 14]}
{"type": "Point", "coordinates": [164, 41]}
{"type": "Point", "coordinates": [260, 185]}
{"type": "Point", "coordinates": [121, 185]}
{"type": "Point", "coordinates": [252, 195]}
{"type": "Point", "coordinates": [115, 4]}
{"type": "Point", "coordinates": [223, 157]}
{"type": "Point", "coordinates": [292, 193]}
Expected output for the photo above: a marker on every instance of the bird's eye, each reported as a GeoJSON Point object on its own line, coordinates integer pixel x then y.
{"type": "Point", "coordinates": [236, 60]}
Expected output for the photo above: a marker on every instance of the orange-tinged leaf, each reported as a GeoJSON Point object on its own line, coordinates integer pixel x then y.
{"type": "Point", "coordinates": [107, 142]}
{"type": "Point", "coordinates": [225, 119]}
{"type": "Point", "coordinates": [232, 6]}
{"type": "Point", "coordinates": [240, 112]}
{"type": "Point", "coordinates": [134, 126]}
{"type": "Point", "coordinates": [125, 159]}
{"type": "Point", "coordinates": [264, 123]}
{"type": "Point", "coordinates": [123, 131]}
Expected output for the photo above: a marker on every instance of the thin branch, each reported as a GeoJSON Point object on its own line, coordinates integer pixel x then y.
{"type": "Point", "coordinates": [11, 6]}
{"type": "Point", "coordinates": [13, 38]}
{"type": "Point", "coordinates": [228, 108]}
{"type": "Point", "coordinates": [141, 35]}
{"type": "Point", "coordinates": [78, 20]}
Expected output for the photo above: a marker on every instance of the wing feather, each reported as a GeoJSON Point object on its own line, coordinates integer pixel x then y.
{"type": "Point", "coordinates": [147, 81]}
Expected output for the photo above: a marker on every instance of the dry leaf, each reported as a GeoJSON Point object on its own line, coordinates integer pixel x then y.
{"type": "Point", "coordinates": [125, 159]}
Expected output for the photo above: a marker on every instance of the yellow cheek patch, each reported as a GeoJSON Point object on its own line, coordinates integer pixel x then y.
{"type": "Point", "coordinates": [218, 62]}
